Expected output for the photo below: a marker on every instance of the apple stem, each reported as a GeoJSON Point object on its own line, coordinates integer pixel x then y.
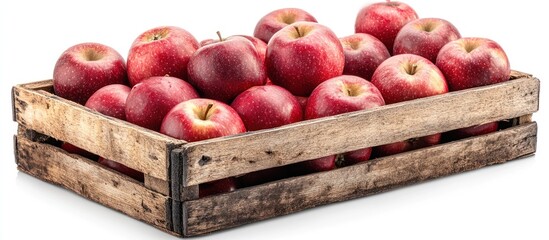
{"type": "Point", "coordinates": [219, 35]}
{"type": "Point", "coordinates": [414, 68]}
{"type": "Point", "coordinates": [205, 117]}
{"type": "Point", "coordinates": [297, 30]}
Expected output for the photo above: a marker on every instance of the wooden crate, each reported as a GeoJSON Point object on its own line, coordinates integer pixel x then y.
{"type": "Point", "coordinates": [168, 197]}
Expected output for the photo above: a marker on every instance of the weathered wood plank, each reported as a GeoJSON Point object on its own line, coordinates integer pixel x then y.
{"type": "Point", "coordinates": [114, 139]}
{"type": "Point", "coordinates": [229, 156]}
{"type": "Point", "coordinates": [157, 185]}
{"type": "Point", "coordinates": [296, 194]}
{"type": "Point", "coordinates": [92, 181]}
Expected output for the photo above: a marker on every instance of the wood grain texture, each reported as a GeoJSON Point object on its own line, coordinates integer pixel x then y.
{"type": "Point", "coordinates": [92, 181]}
{"type": "Point", "coordinates": [299, 193]}
{"type": "Point", "coordinates": [114, 139]}
{"type": "Point", "coordinates": [229, 156]}
{"type": "Point", "coordinates": [157, 185]}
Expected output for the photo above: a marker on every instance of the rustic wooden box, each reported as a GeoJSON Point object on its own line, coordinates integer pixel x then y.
{"type": "Point", "coordinates": [168, 197]}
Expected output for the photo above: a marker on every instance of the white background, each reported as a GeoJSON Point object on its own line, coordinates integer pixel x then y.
{"type": "Point", "coordinates": [508, 201]}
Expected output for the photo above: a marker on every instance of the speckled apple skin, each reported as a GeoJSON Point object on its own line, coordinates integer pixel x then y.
{"type": "Point", "coordinates": [110, 100]}
{"type": "Point", "coordinates": [414, 39]}
{"type": "Point", "coordinates": [363, 54]}
{"type": "Point", "coordinates": [150, 100]}
{"type": "Point", "coordinates": [222, 70]}
{"type": "Point", "coordinates": [184, 122]}
{"type": "Point", "coordinates": [303, 55]}
{"type": "Point", "coordinates": [166, 56]}
{"type": "Point", "coordinates": [272, 22]}
{"type": "Point", "coordinates": [484, 65]}
{"type": "Point", "coordinates": [383, 20]}
{"type": "Point", "coordinates": [76, 78]}
{"type": "Point", "coordinates": [268, 106]}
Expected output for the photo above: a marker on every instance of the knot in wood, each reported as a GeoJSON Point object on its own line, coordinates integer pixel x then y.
{"type": "Point", "coordinates": [204, 160]}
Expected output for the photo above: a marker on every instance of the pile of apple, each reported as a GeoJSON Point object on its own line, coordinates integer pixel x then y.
{"type": "Point", "coordinates": [292, 69]}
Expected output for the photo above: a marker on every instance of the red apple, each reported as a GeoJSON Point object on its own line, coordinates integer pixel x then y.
{"type": "Point", "coordinates": [110, 100]}
{"type": "Point", "coordinates": [363, 53]}
{"type": "Point", "coordinates": [84, 68]}
{"type": "Point", "coordinates": [198, 119]}
{"type": "Point", "coordinates": [311, 166]}
{"type": "Point", "coordinates": [303, 55]}
{"type": "Point", "coordinates": [79, 151]}
{"type": "Point", "coordinates": [160, 51]}
{"type": "Point", "coordinates": [223, 70]}
{"type": "Point", "coordinates": [473, 131]}
{"type": "Point", "coordinates": [425, 37]}
{"type": "Point", "coordinates": [383, 20]}
{"type": "Point", "coordinates": [268, 106]}
{"type": "Point", "coordinates": [259, 45]}
{"type": "Point", "coordinates": [473, 62]}
{"type": "Point", "coordinates": [340, 95]}
{"type": "Point", "coordinates": [137, 175]}
{"type": "Point", "coordinates": [278, 19]}
{"type": "Point", "coordinates": [216, 187]}
{"type": "Point", "coordinates": [357, 156]}
{"type": "Point", "coordinates": [405, 77]}
{"type": "Point", "coordinates": [150, 100]}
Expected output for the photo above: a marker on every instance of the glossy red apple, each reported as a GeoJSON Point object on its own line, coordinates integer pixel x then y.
{"type": "Point", "coordinates": [224, 69]}
{"type": "Point", "coordinates": [406, 77]}
{"type": "Point", "coordinates": [160, 51]}
{"type": "Point", "coordinates": [137, 175]}
{"type": "Point", "coordinates": [259, 45]}
{"type": "Point", "coordinates": [472, 131]}
{"type": "Point", "coordinates": [473, 62]}
{"type": "Point", "coordinates": [84, 68]}
{"type": "Point", "coordinates": [110, 100]}
{"type": "Point", "coordinates": [278, 19]}
{"type": "Point", "coordinates": [363, 54]}
{"type": "Point", "coordinates": [150, 100]}
{"type": "Point", "coordinates": [303, 55]}
{"type": "Point", "coordinates": [383, 20]}
{"type": "Point", "coordinates": [198, 119]}
{"type": "Point", "coordinates": [425, 37]}
{"type": "Point", "coordinates": [341, 95]}
{"type": "Point", "coordinates": [268, 106]}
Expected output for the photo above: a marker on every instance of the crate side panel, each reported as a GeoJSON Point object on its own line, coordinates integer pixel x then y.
{"type": "Point", "coordinates": [223, 157]}
{"type": "Point", "coordinates": [296, 194]}
{"type": "Point", "coordinates": [108, 137]}
{"type": "Point", "coordinates": [92, 181]}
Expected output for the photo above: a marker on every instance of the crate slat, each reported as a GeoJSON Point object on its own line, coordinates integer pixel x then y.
{"type": "Point", "coordinates": [92, 181]}
{"type": "Point", "coordinates": [229, 156]}
{"type": "Point", "coordinates": [296, 194]}
{"type": "Point", "coordinates": [114, 139]}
